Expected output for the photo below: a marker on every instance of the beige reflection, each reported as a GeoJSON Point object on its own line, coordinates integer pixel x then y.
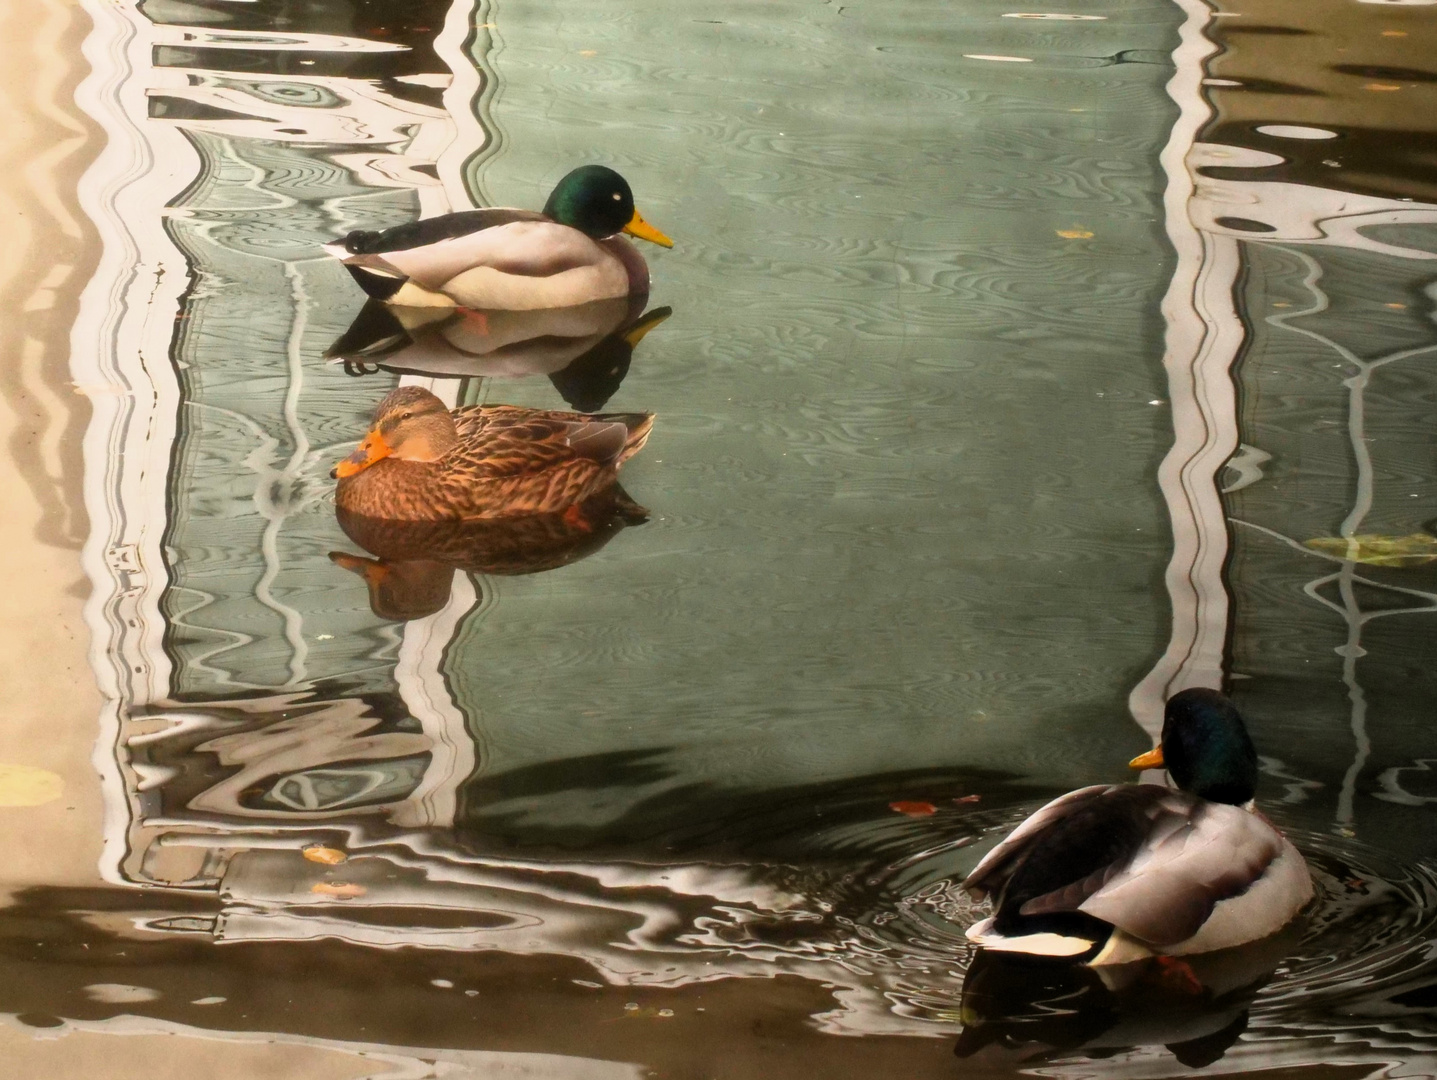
{"type": "Point", "coordinates": [50, 699]}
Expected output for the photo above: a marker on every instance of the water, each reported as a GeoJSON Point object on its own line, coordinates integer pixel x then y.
{"type": "Point", "coordinates": [1010, 372]}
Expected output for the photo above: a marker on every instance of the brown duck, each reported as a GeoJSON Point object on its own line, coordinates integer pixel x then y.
{"type": "Point", "coordinates": [423, 462]}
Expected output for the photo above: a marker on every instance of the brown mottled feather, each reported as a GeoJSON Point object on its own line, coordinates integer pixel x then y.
{"type": "Point", "coordinates": [508, 462]}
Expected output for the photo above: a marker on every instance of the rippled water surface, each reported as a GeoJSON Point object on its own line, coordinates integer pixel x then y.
{"type": "Point", "coordinates": [1011, 371]}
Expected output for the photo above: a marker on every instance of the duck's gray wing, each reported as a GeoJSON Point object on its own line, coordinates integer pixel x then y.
{"type": "Point", "coordinates": [1198, 854]}
{"type": "Point", "coordinates": [990, 875]}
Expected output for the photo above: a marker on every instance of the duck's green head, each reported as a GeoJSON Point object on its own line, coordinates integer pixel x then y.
{"type": "Point", "coordinates": [597, 201]}
{"type": "Point", "coordinates": [1206, 748]}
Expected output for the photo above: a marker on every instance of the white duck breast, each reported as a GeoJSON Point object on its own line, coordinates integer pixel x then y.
{"type": "Point", "coordinates": [1182, 875]}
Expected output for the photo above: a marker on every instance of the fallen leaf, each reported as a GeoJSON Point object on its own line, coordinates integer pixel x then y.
{"type": "Point", "coordinates": [1075, 234]}
{"type": "Point", "coordinates": [340, 890]}
{"type": "Point", "coordinates": [327, 855]}
{"type": "Point", "coordinates": [1416, 549]}
{"type": "Point", "coordinates": [588, 52]}
{"type": "Point", "coordinates": [968, 799]}
{"type": "Point", "coordinates": [913, 809]}
{"type": "Point", "coordinates": [1396, 307]}
{"type": "Point", "coordinates": [24, 785]}
{"type": "Point", "coordinates": [1381, 86]}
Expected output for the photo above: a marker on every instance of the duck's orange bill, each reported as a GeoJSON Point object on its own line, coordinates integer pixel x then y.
{"type": "Point", "coordinates": [1153, 759]}
{"type": "Point", "coordinates": [372, 449]}
{"type": "Point", "coordinates": [637, 226]}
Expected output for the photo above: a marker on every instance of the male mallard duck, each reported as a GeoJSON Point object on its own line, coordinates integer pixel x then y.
{"type": "Point", "coordinates": [511, 259]}
{"type": "Point", "coordinates": [421, 462]}
{"type": "Point", "coordinates": [1114, 873]}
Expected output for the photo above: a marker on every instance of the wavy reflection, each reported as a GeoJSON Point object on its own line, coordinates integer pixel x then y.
{"type": "Point", "coordinates": [585, 350]}
{"type": "Point", "coordinates": [1196, 1008]}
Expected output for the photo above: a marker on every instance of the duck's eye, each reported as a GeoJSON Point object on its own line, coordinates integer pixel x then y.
{"type": "Point", "coordinates": [618, 197]}
{"type": "Point", "coordinates": [406, 416]}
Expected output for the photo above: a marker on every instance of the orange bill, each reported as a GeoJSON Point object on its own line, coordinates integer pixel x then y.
{"type": "Point", "coordinates": [637, 226]}
{"type": "Point", "coordinates": [372, 449]}
{"type": "Point", "coordinates": [1153, 759]}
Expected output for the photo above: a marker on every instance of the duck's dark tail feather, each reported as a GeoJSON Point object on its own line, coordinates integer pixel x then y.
{"type": "Point", "coordinates": [378, 281]}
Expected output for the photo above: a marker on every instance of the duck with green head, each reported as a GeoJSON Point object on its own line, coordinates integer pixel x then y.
{"type": "Point", "coordinates": [1115, 873]}
{"type": "Point", "coordinates": [508, 259]}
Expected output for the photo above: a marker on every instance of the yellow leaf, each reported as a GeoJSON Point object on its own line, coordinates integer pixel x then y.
{"type": "Point", "coordinates": [588, 52]}
{"type": "Point", "coordinates": [1381, 86]}
{"type": "Point", "coordinates": [1075, 234]}
{"type": "Point", "coordinates": [1416, 549]}
{"type": "Point", "coordinates": [327, 855]}
{"type": "Point", "coordinates": [23, 785]}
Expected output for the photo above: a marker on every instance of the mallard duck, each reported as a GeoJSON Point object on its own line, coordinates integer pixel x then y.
{"type": "Point", "coordinates": [584, 350]}
{"type": "Point", "coordinates": [1114, 873]}
{"type": "Point", "coordinates": [414, 572]}
{"type": "Point", "coordinates": [511, 259]}
{"type": "Point", "coordinates": [422, 462]}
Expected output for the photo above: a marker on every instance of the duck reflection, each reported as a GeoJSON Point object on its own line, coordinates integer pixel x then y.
{"type": "Point", "coordinates": [494, 489]}
{"type": "Point", "coordinates": [414, 572]}
{"type": "Point", "coordinates": [585, 350]}
{"type": "Point", "coordinates": [1032, 1009]}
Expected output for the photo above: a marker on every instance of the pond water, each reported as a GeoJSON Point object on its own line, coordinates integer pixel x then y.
{"type": "Point", "coordinates": [1012, 370]}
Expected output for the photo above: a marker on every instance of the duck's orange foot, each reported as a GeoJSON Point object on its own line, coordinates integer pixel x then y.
{"type": "Point", "coordinates": [1177, 975]}
{"type": "Point", "coordinates": [574, 518]}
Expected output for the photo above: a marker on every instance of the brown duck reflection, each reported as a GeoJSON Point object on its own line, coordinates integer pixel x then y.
{"type": "Point", "coordinates": [414, 571]}
{"type": "Point", "coordinates": [1025, 1009]}
{"type": "Point", "coordinates": [494, 489]}
{"type": "Point", "coordinates": [585, 350]}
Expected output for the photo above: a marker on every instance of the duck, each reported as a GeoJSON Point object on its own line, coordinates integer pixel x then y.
{"type": "Point", "coordinates": [420, 461]}
{"type": "Point", "coordinates": [1117, 873]}
{"type": "Point", "coordinates": [509, 259]}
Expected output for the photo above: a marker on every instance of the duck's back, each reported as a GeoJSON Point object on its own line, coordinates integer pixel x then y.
{"type": "Point", "coordinates": [508, 462]}
{"type": "Point", "coordinates": [1177, 873]}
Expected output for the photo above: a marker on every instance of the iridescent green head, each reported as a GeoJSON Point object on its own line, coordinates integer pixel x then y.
{"type": "Point", "coordinates": [1206, 748]}
{"type": "Point", "coordinates": [597, 201]}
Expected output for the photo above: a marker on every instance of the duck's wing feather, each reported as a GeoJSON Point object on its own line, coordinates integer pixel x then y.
{"type": "Point", "coordinates": [530, 248]}
{"type": "Point", "coordinates": [505, 440]}
{"type": "Point", "coordinates": [1197, 854]}
{"type": "Point", "coordinates": [993, 872]}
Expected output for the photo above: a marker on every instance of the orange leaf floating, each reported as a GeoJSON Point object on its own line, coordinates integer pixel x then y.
{"type": "Point", "coordinates": [913, 809]}
{"type": "Point", "coordinates": [968, 799]}
{"type": "Point", "coordinates": [1075, 234]}
{"type": "Point", "coordinates": [340, 890]}
{"type": "Point", "coordinates": [327, 855]}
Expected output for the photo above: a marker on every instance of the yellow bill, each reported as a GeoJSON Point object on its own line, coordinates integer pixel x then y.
{"type": "Point", "coordinates": [372, 449]}
{"type": "Point", "coordinates": [1153, 759]}
{"type": "Point", "coordinates": [637, 226]}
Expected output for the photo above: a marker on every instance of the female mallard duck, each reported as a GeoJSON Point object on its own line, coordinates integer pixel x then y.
{"type": "Point", "coordinates": [1114, 873]}
{"type": "Point", "coordinates": [421, 462]}
{"type": "Point", "coordinates": [510, 259]}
